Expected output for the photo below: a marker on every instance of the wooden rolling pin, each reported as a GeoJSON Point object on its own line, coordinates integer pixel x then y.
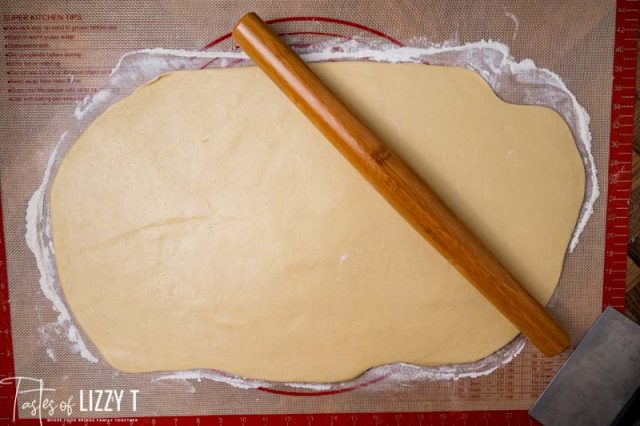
{"type": "Point", "coordinates": [399, 184]}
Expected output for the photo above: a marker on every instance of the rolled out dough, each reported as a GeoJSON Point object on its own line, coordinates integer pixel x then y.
{"type": "Point", "coordinates": [202, 222]}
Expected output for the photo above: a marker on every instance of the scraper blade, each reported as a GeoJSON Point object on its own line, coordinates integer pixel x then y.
{"type": "Point", "coordinates": [599, 382]}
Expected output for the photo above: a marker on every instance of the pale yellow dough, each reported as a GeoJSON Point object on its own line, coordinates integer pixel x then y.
{"type": "Point", "coordinates": [203, 222]}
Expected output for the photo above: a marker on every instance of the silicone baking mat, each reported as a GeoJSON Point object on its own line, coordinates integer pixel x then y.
{"type": "Point", "coordinates": [57, 52]}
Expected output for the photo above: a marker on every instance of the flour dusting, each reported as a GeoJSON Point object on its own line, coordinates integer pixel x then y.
{"type": "Point", "coordinates": [51, 354]}
{"type": "Point", "coordinates": [490, 59]}
{"type": "Point", "coordinates": [199, 375]}
{"type": "Point", "coordinates": [516, 23]}
{"type": "Point", "coordinates": [38, 238]}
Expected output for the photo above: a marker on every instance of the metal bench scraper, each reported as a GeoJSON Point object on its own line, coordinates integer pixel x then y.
{"type": "Point", "coordinates": [600, 382]}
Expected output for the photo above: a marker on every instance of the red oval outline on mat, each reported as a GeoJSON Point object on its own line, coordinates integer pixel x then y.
{"type": "Point", "coordinates": [326, 392]}
{"type": "Point", "coordinates": [348, 24]}
{"type": "Point", "coordinates": [315, 18]}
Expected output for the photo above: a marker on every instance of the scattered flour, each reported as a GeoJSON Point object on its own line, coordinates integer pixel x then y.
{"type": "Point", "coordinates": [38, 238]}
{"type": "Point", "coordinates": [516, 23]}
{"type": "Point", "coordinates": [51, 354]}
